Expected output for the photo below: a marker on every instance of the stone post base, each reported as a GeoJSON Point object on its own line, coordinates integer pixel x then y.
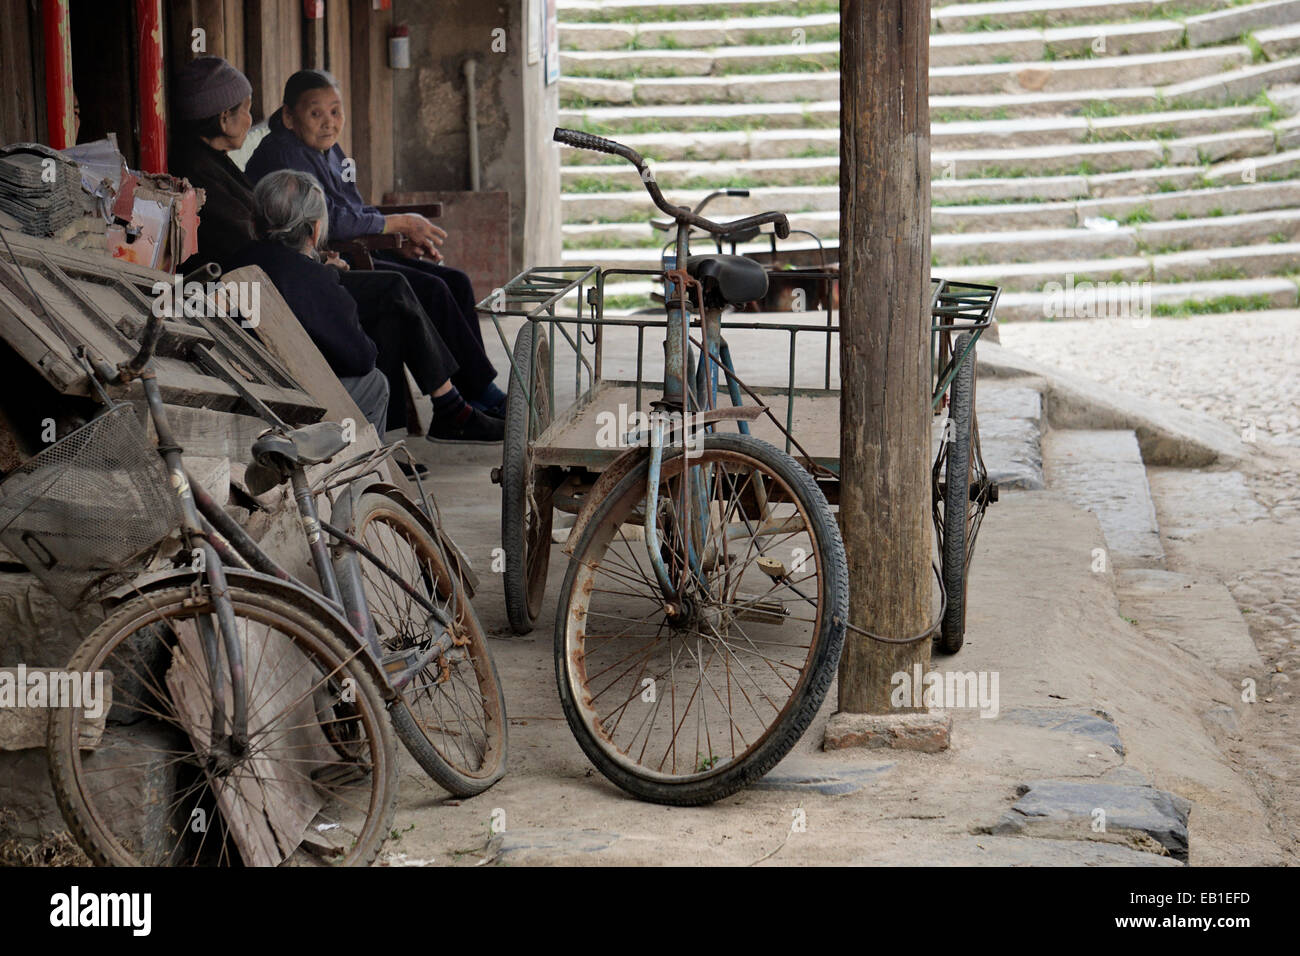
{"type": "Point", "coordinates": [926, 732]}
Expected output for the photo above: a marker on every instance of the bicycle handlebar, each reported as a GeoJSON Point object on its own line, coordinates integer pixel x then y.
{"type": "Point", "coordinates": [684, 216]}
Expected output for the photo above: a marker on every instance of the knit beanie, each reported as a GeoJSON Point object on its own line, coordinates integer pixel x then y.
{"type": "Point", "coordinates": [207, 86]}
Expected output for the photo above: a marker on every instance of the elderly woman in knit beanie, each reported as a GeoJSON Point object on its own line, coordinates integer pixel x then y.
{"type": "Point", "coordinates": [211, 101]}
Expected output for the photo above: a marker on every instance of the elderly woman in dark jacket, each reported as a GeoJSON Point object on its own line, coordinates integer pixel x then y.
{"type": "Point", "coordinates": [290, 215]}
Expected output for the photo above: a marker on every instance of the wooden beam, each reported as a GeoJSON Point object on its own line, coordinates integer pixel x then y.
{"type": "Point", "coordinates": [884, 337]}
{"type": "Point", "coordinates": [371, 107]}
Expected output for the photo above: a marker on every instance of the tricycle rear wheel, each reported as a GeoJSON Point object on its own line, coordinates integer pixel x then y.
{"type": "Point", "coordinates": [526, 491]}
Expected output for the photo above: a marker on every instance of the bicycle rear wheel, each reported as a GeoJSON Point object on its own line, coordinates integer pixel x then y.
{"type": "Point", "coordinates": [318, 782]}
{"type": "Point", "coordinates": [962, 500]}
{"type": "Point", "coordinates": [687, 702]}
{"type": "Point", "coordinates": [452, 716]}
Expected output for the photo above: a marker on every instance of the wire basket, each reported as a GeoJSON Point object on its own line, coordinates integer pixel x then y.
{"type": "Point", "coordinates": [88, 506]}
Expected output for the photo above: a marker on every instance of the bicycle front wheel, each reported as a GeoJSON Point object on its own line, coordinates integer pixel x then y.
{"type": "Point", "coordinates": [685, 701]}
{"type": "Point", "coordinates": [148, 784]}
{"type": "Point", "coordinates": [452, 716]}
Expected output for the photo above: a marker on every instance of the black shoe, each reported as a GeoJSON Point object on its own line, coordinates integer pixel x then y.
{"type": "Point", "coordinates": [492, 411]}
{"type": "Point", "coordinates": [409, 471]}
{"type": "Point", "coordinates": [478, 428]}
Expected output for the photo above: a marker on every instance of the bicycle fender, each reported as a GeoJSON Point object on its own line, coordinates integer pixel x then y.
{"type": "Point", "coordinates": [303, 598]}
{"type": "Point", "coordinates": [460, 563]}
{"type": "Point", "coordinates": [618, 469]}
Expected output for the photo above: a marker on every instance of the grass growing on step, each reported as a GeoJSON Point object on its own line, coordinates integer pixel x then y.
{"type": "Point", "coordinates": [1140, 214]}
{"type": "Point", "coordinates": [1279, 237]}
{"type": "Point", "coordinates": [1257, 54]}
{"type": "Point", "coordinates": [961, 116]}
{"type": "Point", "coordinates": [988, 201]}
{"type": "Point", "coordinates": [627, 300]}
{"type": "Point", "coordinates": [612, 242]}
{"type": "Point", "coordinates": [805, 63]}
{"type": "Point", "coordinates": [1223, 303]}
{"type": "Point", "coordinates": [825, 33]}
{"type": "Point", "coordinates": [703, 11]}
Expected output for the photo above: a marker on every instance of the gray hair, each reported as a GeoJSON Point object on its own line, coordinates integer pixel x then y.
{"type": "Point", "coordinates": [288, 204]}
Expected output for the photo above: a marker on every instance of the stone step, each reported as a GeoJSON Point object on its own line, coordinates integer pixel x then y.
{"type": "Point", "coordinates": [1213, 74]}
{"type": "Point", "coordinates": [1098, 40]}
{"type": "Point", "coordinates": [1253, 243]}
{"type": "Point", "coordinates": [644, 48]}
{"type": "Point", "coordinates": [691, 117]}
{"type": "Point", "coordinates": [1044, 108]}
{"type": "Point", "coordinates": [725, 61]}
{"type": "Point", "coordinates": [1131, 302]}
{"type": "Point", "coordinates": [1003, 14]}
{"type": "Point", "coordinates": [1286, 98]}
{"type": "Point", "coordinates": [967, 106]}
{"type": "Point", "coordinates": [1160, 160]}
{"type": "Point", "coordinates": [1148, 69]}
{"type": "Point", "coordinates": [953, 17]}
{"type": "Point", "coordinates": [1194, 613]}
{"type": "Point", "coordinates": [1103, 472]}
{"type": "Point", "coordinates": [967, 135]}
{"type": "Point", "coordinates": [1011, 433]}
{"type": "Point", "coordinates": [1245, 261]}
{"type": "Point", "coordinates": [1220, 25]}
{"type": "Point", "coordinates": [1285, 165]}
{"type": "Point", "coordinates": [618, 208]}
{"type": "Point", "coordinates": [1233, 85]}
{"type": "Point", "coordinates": [702, 34]}
{"type": "Point", "coordinates": [625, 11]}
{"type": "Point", "coordinates": [1073, 210]}
{"type": "Point", "coordinates": [1279, 41]}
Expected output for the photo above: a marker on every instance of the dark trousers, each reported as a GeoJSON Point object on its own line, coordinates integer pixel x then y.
{"type": "Point", "coordinates": [403, 333]}
{"type": "Point", "coordinates": [448, 298]}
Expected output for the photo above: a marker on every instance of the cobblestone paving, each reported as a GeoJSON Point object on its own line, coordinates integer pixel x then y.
{"type": "Point", "coordinates": [1241, 369]}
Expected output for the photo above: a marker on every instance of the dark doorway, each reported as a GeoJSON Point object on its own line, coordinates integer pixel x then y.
{"type": "Point", "coordinates": [104, 57]}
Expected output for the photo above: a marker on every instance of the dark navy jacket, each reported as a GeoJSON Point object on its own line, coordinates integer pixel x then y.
{"type": "Point", "coordinates": [281, 149]}
{"type": "Point", "coordinates": [314, 294]}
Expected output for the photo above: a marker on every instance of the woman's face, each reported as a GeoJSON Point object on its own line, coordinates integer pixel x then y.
{"type": "Point", "coordinates": [317, 120]}
{"type": "Point", "coordinates": [236, 123]}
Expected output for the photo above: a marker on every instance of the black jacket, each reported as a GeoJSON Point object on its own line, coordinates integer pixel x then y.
{"type": "Point", "coordinates": [314, 294]}
{"type": "Point", "coordinates": [226, 219]}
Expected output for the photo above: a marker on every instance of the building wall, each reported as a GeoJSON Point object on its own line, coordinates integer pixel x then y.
{"type": "Point", "coordinates": [516, 113]}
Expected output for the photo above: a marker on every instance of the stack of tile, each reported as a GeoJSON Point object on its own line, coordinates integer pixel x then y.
{"type": "Point", "coordinates": [39, 188]}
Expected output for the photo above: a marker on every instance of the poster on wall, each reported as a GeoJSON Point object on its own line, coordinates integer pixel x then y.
{"type": "Point", "coordinates": [536, 30]}
{"type": "Point", "coordinates": [552, 42]}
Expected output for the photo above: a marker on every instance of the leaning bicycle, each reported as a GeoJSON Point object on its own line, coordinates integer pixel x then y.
{"type": "Point", "coordinates": [248, 708]}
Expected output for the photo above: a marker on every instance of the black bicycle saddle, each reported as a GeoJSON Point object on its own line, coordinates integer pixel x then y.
{"type": "Point", "coordinates": [733, 279]}
{"type": "Point", "coordinates": [309, 445]}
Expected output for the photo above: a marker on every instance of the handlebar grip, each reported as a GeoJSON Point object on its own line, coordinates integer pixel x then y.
{"type": "Point", "coordinates": [580, 140]}
{"type": "Point", "coordinates": [781, 226]}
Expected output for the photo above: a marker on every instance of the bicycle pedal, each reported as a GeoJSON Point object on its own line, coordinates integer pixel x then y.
{"type": "Point", "coordinates": [396, 663]}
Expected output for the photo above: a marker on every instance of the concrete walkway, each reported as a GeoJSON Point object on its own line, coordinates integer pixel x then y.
{"type": "Point", "coordinates": [1102, 751]}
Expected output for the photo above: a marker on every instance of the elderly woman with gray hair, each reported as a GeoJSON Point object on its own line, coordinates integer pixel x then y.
{"type": "Point", "coordinates": [291, 219]}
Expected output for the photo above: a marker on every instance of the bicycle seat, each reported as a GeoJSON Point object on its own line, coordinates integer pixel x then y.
{"type": "Point", "coordinates": [734, 280]}
{"type": "Point", "coordinates": [309, 445]}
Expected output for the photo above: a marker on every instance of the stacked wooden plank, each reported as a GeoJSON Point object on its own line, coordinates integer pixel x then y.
{"type": "Point", "coordinates": [39, 189]}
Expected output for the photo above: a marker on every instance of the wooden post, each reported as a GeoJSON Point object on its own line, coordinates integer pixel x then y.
{"type": "Point", "coordinates": [370, 112]}
{"type": "Point", "coordinates": [885, 496]}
